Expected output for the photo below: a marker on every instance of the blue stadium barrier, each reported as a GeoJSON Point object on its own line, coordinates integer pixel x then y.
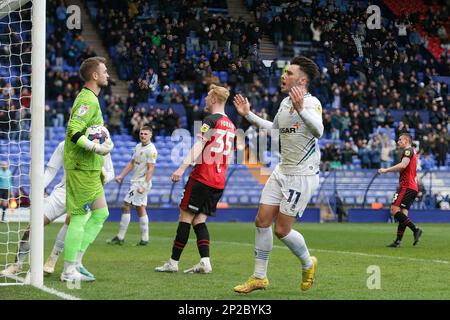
{"type": "Point", "coordinates": [418, 216]}
{"type": "Point", "coordinates": [222, 215]}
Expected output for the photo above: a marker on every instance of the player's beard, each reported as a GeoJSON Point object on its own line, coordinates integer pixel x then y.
{"type": "Point", "coordinates": [103, 84]}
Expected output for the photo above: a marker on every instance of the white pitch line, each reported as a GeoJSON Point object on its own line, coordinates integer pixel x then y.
{"type": "Point", "coordinates": [57, 293]}
{"type": "Point", "coordinates": [52, 291]}
{"type": "Point", "coordinates": [340, 252]}
{"type": "Point", "coordinates": [352, 253]}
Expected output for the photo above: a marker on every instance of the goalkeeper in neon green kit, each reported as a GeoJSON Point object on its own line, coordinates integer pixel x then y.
{"type": "Point", "coordinates": [83, 161]}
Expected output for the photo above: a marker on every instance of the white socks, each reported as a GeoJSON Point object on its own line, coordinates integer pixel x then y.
{"type": "Point", "coordinates": [263, 247]}
{"type": "Point", "coordinates": [123, 227]}
{"type": "Point", "coordinates": [295, 241]}
{"type": "Point", "coordinates": [143, 224]}
{"type": "Point", "coordinates": [59, 243]}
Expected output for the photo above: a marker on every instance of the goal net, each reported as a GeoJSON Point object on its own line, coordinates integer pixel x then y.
{"type": "Point", "coordinates": [18, 136]}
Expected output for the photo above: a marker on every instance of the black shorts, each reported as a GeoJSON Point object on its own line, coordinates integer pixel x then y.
{"type": "Point", "coordinates": [4, 194]}
{"type": "Point", "coordinates": [200, 198]}
{"type": "Point", "coordinates": [404, 197]}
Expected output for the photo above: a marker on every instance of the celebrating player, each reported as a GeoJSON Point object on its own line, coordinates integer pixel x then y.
{"type": "Point", "coordinates": [292, 183]}
{"type": "Point", "coordinates": [143, 164]}
{"type": "Point", "coordinates": [206, 181]}
{"type": "Point", "coordinates": [83, 161]}
{"type": "Point", "coordinates": [406, 192]}
{"type": "Point", "coordinates": [54, 207]}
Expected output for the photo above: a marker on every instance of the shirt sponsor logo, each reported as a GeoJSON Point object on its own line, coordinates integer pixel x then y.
{"type": "Point", "coordinates": [83, 110]}
{"type": "Point", "coordinates": [287, 130]}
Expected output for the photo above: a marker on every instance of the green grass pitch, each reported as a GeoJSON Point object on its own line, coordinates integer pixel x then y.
{"type": "Point", "coordinates": [344, 251]}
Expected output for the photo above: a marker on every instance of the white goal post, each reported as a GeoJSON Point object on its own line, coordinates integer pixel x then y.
{"type": "Point", "coordinates": [9, 8]}
{"type": "Point", "coordinates": [37, 142]}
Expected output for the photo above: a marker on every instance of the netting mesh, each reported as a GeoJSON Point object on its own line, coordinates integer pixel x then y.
{"type": "Point", "coordinates": [15, 118]}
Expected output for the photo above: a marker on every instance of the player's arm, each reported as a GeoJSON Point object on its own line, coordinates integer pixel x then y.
{"type": "Point", "coordinates": [192, 156]}
{"type": "Point", "coordinates": [397, 168]}
{"type": "Point", "coordinates": [311, 116]}
{"type": "Point", "coordinates": [243, 108]}
{"type": "Point", "coordinates": [125, 171]}
{"type": "Point", "coordinates": [77, 124]}
{"type": "Point", "coordinates": [54, 164]}
{"type": "Point", "coordinates": [107, 170]}
{"type": "Point", "coordinates": [148, 177]}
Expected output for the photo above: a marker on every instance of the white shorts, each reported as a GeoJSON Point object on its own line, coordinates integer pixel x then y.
{"type": "Point", "coordinates": [291, 193]}
{"type": "Point", "coordinates": [135, 198]}
{"type": "Point", "coordinates": [55, 204]}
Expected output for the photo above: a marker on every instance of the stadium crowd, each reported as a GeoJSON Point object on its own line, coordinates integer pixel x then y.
{"type": "Point", "coordinates": [175, 51]}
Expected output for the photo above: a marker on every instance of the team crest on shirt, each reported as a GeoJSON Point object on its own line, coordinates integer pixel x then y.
{"type": "Point", "coordinates": [318, 109]}
{"type": "Point", "coordinates": [83, 110]}
{"type": "Point", "coordinates": [291, 111]}
{"type": "Point", "coordinates": [407, 153]}
{"type": "Point", "coordinates": [204, 128]}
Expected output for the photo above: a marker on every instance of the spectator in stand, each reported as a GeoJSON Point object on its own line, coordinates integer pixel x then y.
{"type": "Point", "coordinates": [336, 124]}
{"type": "Point", "coordinates": [375, 155]}
{"type": "Point", "coordinates": [172, 121]}
{"type": "Point", "coordinates": [421, 194]}
{"type": "Point", "coordinates": [347, 156]}
{"type": "Point", "coordinates": [364, 154]}
{"type": "Point", "coordinates": [49, 120]}
{"type": "Point", "coordinates": [402, 128]}
{"type": "Point", "coordinates": [441, 152]}
{"type": "Point", "coordinates": [115, 114]}
{"type": "Point", "coordinates": [59, 108]}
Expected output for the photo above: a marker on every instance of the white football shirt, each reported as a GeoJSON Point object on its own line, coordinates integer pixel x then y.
{"type": "Point", "coordinates": [143, 155]}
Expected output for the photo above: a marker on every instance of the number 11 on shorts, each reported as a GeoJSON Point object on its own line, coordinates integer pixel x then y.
{"type": "Point", "coordinates": [291, 195]}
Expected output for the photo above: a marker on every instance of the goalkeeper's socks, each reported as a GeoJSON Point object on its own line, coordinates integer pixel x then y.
{"type": "Point", "coordinates": [3, 214]}
{"type": "Point", "coordinates": [143, 224]}
{"type": "Point", "coordinates": [181, 239]}
{"type": "Point", "coordinates": [74, 237]}
{"type": "Point", "coordinates": [93, 227]}
{"type": "Point", "coordinates": [123, 227]}
{"type": "Point", "coordinates": [201, 231]}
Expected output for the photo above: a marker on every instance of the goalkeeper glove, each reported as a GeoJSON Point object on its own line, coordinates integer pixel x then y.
{"type": "Point", "coordinates": [101, 149]}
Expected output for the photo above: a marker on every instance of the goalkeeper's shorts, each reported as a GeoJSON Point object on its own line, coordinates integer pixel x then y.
{"type": "Point", "coordinates": [83, 187]}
